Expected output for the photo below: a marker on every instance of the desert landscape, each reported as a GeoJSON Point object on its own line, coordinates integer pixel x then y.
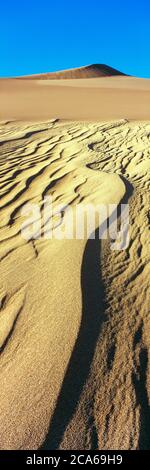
{"type": "Point", "coordinates": [74, 323]}
{"type": "Point", "coordinates": [95, 92]}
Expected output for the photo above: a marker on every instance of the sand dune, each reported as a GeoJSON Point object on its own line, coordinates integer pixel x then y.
{"type": "Point", "coordinates": [74, 325]}
{"type": "Point", "coordinates": [89, 71]}
{"type": "Point", "coordinates": [89, 99]}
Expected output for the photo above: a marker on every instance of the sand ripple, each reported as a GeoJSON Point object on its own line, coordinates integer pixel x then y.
{"type": "Point", "coordinates": [74, 325]}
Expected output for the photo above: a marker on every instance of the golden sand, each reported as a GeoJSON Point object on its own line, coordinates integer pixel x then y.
{"type": "Point", "coordinates": [74, 325]}
{"type": "Point", "coordinates": [89, 99]}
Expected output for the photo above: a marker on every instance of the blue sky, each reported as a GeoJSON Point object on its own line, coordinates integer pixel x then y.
{"type": "Point", "coordinates": [47, 35]}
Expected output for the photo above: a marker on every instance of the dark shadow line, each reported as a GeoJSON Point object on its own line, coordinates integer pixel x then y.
{"type": "Point", "coordinates": [81, 358]}
{"type": "Point", "coordinates": [140, 384]}
{"type": "Point", "coordinates": [93, 309]}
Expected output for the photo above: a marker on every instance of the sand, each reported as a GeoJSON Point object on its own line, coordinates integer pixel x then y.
{"type": "Point", "coordinates": [88, 71]}
{"type": "Point", "coordinates": [89, 99]}
{"type": "Point", "coordinates": [74, 324]}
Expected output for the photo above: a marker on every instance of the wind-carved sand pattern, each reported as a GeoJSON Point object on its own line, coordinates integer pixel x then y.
{"type": "Point", "coordinates": [74, 324]}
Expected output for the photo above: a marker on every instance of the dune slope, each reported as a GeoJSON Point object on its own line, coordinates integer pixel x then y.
{"type": "Point", "coordinates": [102, 98]}
{"type": "Point", "coordinates": [74, 327]}
{"type": "Point", "coordinates": [89, 71]}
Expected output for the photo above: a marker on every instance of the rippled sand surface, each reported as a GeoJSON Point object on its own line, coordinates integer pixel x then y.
{"type": "Point", "coordinates": [74, 324]}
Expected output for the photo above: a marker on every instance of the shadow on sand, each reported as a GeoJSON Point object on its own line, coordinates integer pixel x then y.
{"type": "Point", "coordinates": [81, 358]}
{"type": "Point", "coordinates": [140, 384]}
{"type": "Point", "coordinates": [93, 309]}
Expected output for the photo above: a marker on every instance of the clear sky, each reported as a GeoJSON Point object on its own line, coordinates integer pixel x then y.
{"type": "Point", "coordinates": [48, 35]}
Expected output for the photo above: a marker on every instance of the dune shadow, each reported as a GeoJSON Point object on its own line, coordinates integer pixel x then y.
{"type": "Point", "coordinates": [140, 384]}
{"type": "Point", "coordinates": [82, 355]}
{"type": "Point", "coordinates": [93, 311]}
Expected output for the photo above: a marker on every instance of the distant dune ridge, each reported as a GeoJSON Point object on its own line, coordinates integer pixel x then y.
{"type": "Point", "coordinates": [88, 71]}
{"type": "Point", "coordinates": [92, 93]}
